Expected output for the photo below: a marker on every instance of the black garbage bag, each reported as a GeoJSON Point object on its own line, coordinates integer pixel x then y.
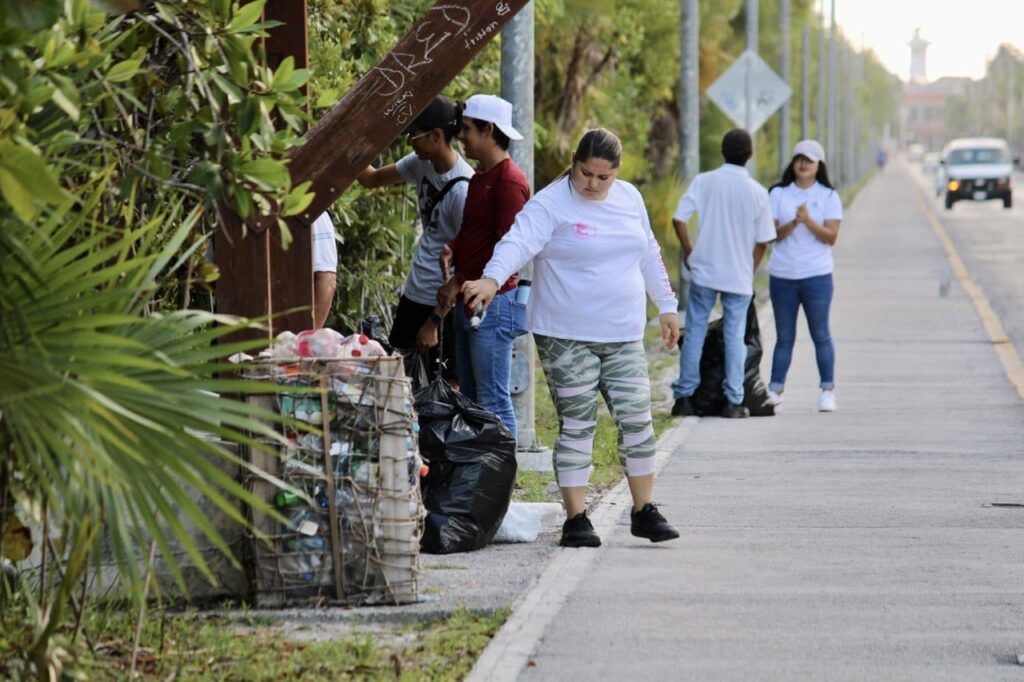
{"type": "Point", "coordinates": [709, 398]}
{"type": "Point", "coordinates": [755, 393]}
{"type": "Point", "coordinates": [472, 460]}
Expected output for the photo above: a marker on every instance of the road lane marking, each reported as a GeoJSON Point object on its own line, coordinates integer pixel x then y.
{"type": "Point", "coordinates": [1000, 340]}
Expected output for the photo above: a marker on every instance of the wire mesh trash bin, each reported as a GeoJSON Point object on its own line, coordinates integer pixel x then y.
{"type": "Point", "coordinates": [350, 498]}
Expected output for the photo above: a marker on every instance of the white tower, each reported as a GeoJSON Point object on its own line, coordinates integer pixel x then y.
{"type": "Point", "coordinates": [918, 59]}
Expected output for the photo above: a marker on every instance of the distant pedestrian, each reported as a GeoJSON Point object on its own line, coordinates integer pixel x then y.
{"type": "Point", "coordinates": [497, 192]}
{"type": "Point", "coordinates": [807, 212]}
{"type": "Point", "coordinates": [441, 177]}
{"type": "Point", "coordinates": [734, 229]}
{"type": "Point", "coordinates": [595, 256]}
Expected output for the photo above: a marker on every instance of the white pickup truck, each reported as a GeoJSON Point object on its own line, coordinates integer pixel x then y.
{"type": "Point", "coordinates": [977, 169]}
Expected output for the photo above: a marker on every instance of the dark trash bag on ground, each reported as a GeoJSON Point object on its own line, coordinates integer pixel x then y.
{"type": "Point", "coordinates": [709, 398]}
{"type": "Point", "coordinates": [472, 460]}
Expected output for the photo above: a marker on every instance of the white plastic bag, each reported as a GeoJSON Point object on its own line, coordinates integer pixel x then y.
{"type": "Point", "coordinates": [524, 521]}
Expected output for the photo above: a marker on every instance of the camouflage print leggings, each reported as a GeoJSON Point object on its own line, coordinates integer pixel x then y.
{"type": "Point", "coordinates": [575, 371]}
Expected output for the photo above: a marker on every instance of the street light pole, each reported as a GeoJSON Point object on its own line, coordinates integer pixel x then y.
{"type": "Point", "coordinates": [689, 91]}
{"type": "Point", "coordinates": [820, 127]}
{"type": "Point", "coordinates": [752, 45]}
{"type": "Point", "coordinates": [784, 121]}
{"type": "Point", "coordinates": [517, 55]}
{"type": "Point", "coordinates": [805, 84]}
{"type": "Point", "coordinates": [833, 93]}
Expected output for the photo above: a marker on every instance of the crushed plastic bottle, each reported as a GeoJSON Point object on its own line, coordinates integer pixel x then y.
{"type": "Point", "coordinates": [319, 343]}
{"type": "Point", "coordinates": [361, 346]}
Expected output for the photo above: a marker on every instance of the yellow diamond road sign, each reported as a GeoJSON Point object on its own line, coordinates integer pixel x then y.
{"type": "Point", "coordinates": [749, 79]}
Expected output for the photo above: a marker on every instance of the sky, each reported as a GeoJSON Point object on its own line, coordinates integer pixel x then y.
{"type": "Point", "coordinates": [964, 34]}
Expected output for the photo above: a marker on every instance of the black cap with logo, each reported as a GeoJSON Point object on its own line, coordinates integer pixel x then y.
{"type": "Point", "coordinates": [440, 113]}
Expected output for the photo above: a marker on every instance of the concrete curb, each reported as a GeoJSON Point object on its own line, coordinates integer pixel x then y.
{"type": "Point", "coordinates": [510, 649]}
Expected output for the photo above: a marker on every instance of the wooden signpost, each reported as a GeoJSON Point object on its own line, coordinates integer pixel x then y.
{"type": "Point", "coordinates": [257, 276]}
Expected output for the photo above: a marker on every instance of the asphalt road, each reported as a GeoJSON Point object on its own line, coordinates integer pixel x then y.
{"type": "Point", "coordinates": [990, 239]}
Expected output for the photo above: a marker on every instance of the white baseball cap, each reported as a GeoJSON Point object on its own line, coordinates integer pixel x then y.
{"type": "Point", "coordinates": [812, 149]}
{"type": "Point", "coordinates": [492, 109]}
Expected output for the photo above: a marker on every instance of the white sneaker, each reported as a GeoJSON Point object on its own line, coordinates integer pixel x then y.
{"type": "Point", "coordinates": [827, 401]}
{"type": "Point", "coordinates": [775, 400]}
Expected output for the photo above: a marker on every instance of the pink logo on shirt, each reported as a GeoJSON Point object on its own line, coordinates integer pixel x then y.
{"type": "Point", "coordinates": [584, 231]}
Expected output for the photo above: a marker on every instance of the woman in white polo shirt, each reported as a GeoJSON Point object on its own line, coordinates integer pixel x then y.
{"type": "Point", "coordinates": [807, 212]}
{"type": "Point", "coordinates": [594, 257]}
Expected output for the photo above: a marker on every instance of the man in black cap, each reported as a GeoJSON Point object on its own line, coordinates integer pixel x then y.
{"type": "Point", "coordinates": [441, 177]}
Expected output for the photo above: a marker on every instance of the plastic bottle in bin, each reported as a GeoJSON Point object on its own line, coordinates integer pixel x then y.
{"type": "Point", "coordinates": [302, 560]}
{"type": "Point", "coordinates": [287, 498]}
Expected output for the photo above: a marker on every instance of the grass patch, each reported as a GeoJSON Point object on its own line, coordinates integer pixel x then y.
{"type": "Point", "coordinates": [193, 646]}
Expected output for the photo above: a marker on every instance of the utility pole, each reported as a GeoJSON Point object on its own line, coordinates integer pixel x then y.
{"type": "Point", "coordinates": [689, 91]}
{"type": "Point", "coordinates": [849, 114]}
{"type": "Point", "coordinates": [833, 92]}
{"type": "Point", "coordinates": [689, 118]}
{"type": "Point", "coordinates": [784, 74]}
{"type": "Point", "coordinates": [820, 128]}
{"type": "Point", "coordinates": [1011, 104]}
{"type": "Point", "coordinates": [805, 84]}
{"type": "Point", "coordinates": [517, 49]}
{"type": "Point", "coordinates": [752, 45]}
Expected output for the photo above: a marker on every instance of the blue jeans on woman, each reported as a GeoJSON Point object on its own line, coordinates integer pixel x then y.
{"type": "Point", "coordinates": [815, 295]}
{"type": "Point", "coordinates": [698, 310]}
{"type": "Point", "coordinates": [484, 356]}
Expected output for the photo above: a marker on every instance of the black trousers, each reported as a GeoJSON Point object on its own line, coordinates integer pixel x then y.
{"type": "Point", "coordinates": [409, 317]}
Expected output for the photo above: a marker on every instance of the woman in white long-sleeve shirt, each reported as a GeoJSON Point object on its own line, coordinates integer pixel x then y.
{"type": "Point", "coordinates": [594, 257]}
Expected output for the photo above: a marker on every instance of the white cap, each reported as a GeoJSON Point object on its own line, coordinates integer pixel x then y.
{"type": "Point", "coordinates": [812, 149]}
{"type": "Point", "coordinates": [492, 109]}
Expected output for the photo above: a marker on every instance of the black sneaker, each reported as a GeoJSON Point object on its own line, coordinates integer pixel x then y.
{"type": "Point", "coordinates": [735, 411]}
{"type": "Point", "coordinates": [579, 532]}
{"type": "Point", "coordinates": [683, 407]}
{"type": "Point", "coordinates": [649, 523]}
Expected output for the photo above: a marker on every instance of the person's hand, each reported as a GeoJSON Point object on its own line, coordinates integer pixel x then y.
{"type": "Point", "coordinates": [426, 338]}
{"type": "Point", "coordinates": [446, 260]}
{"type": "Point", "coordinates": [686, 257]}
{"type": "Point", "coordinates": [479, 293]}
{"type": "Point", "coordinates": [670, 329]}
{"type": "Point", "coordinates": [447, 293]}
{"type": "Point", "coordinates": [802, 215]}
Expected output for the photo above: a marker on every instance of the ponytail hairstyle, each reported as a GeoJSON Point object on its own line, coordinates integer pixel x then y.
{"type": "Point", "coordinates": [596, 143]}
{"type": "Point", "coordinates": [789, 176]}
{"type": "Point", "coordinates": [455, 125]}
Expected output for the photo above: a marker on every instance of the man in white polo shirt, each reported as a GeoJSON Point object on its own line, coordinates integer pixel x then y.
{"type": "Point", "coordinates": [325, 267]}
{"type": "Point", "coordinates": [735, 226]}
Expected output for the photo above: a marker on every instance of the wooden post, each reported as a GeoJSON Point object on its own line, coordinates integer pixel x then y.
{"type": "Point", "coordinates": [386, 100]}
{"type": "Point", "coordinates": [258, 279]}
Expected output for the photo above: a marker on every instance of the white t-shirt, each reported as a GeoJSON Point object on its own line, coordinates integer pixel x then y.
{"type": "Point", "coordinates": [734, 214]}
{"type": "Point", "coordinates": [801, 255]}
{"type": "Point", "coordinates": [325, 248]}
{"type": "Point", "coordinates": [593, 261]}
{"type": "Point", "coordinates": [439, 228]}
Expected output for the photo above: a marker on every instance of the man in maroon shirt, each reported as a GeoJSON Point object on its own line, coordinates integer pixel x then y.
{"type": "Point", "coordinates": [496, 194]}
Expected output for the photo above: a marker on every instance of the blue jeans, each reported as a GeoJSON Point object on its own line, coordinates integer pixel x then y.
{"type": "Point", "coordinates": [815, 295]}
{"type": "Point", "coordinates": [698, 310]}
{"type": "Point", "coordinates": [484, 357]}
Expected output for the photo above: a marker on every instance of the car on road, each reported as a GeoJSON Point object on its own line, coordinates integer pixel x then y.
{"type": "Point", "coordinates": [977, 169]}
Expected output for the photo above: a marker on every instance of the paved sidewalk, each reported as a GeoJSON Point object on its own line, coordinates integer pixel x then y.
{"type": "Point", "coordinates": [847, 546]}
